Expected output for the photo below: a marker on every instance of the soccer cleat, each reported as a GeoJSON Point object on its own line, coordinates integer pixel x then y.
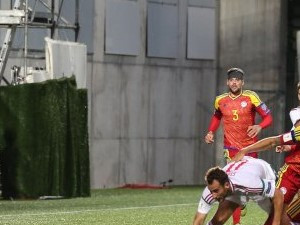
{"type": "Point", "coordinates": [243, 211]}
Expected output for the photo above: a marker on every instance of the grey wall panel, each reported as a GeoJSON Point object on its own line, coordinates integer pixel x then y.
{"type": "Point", "coordinates": [187, 99]}
{"type": "Point", "coordinates": [105, 163]}
{"type": "Point", "coordinates": [203, 3]}
{"type": "Point", "coordinates": [5, 4]}
{"type": "Point", "coordinates": [161, 160]}
{"type": "Point", "coordinates": [133, 161]}
{"type": "Point", "coordinates": [134, 102]}
{"type": "Point", "coordinates": [86, 23]}
{"type": "Point", "coordinates": [106, 102]}
{"type": "Point", "coordinates": [168, 2]}
{"type": "Point", "coordinates": [184, 164]}
{"type": "Point", "coordinates": [162, 31]}
{"type": "Point", "coordinates": [162, 111]}
{"type": "Point", "coordinates": [156, 116]}
{"type": "Point", "coordinates": [99, 31]}
{"type": "Point", "coordinates": [2, 35]}
{"type": "Point", "coordinates": [201, 42]}
{"type": "Point", "coordinates": [122, 29]}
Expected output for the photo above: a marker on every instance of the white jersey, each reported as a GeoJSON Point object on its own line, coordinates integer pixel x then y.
{"type": "Point", "coordinates": [249, 178]}
{"type": "Point", "coordinates": [295, 115]}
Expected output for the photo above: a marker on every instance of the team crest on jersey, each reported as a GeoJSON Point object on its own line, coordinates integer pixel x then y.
{"type": "Point", "coordinates": [283, 190]}
{"type": "Point", "coordinates": [243, 104]}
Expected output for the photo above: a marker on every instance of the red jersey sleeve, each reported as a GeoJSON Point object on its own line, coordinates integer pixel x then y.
{"type": "Point", "coordinates": [293, 147]}
{"type": "Point", "coordinates": [215, 121]}
{"type": "Point", "coordinates": [265, 114]}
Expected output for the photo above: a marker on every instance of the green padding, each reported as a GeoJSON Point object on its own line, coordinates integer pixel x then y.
{"type": "Point", "coordinates": [44, 140]}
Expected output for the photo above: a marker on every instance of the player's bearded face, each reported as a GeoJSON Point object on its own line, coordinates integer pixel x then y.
{"type": "Point", "coordinates": [218, 191]}
{"type": "Point", "coordinates": [235, 85]}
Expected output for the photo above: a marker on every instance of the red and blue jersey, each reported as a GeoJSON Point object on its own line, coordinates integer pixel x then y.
{"type": "Point", "coordinates": [238, 114]}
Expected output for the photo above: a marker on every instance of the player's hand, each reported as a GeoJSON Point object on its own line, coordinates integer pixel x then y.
{"type": "Point", "coordinates": [283, 148]}
{"type": "Point", "coordinates": [209, 138]}
{"type": "Point", "coordinates": [253, 131]}
{"type": "Point", "coordinates": [238, 156]}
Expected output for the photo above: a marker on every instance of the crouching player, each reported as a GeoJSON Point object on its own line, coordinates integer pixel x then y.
{"type": "Point", "coordinates": [234, 185]}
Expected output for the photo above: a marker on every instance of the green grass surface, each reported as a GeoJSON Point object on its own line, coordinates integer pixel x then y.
{"type": "Point", "coordinates": [175, 206]}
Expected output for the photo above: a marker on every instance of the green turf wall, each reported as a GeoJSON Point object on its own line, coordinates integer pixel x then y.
{"type": "Point", "coordinates": [44, 140]}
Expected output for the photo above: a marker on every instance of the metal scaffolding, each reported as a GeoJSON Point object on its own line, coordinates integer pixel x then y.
{"type": "Point", "coordinates": [23, 16]}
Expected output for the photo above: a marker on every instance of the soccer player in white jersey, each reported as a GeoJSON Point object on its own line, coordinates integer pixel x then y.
{"type": "Point", "coordinates": [236, 184]}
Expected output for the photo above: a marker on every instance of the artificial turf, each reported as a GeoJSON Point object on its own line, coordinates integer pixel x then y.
{"type": "Point", "coordinates": [175, 205]}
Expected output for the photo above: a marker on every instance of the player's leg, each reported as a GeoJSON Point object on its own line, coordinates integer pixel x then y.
{"type": "Point", "coordinates": [224, 211]}
{"type": "Point", "coordinates": [293, 211]}
{"type": "Point", "coordinates": [289, 183]}
{"type": "Point", "coordinates": [236, 216]}
{"type": "Point", "coordinates": [266, 205]}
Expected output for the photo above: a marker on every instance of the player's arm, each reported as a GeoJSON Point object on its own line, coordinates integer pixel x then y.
{"type": "Point", "coordinates": [271, 142]}
{"type": "Point", "coordinates": [213, 126]}
{"type": "Point", "coordinates": [267, 119]}
{"type": "Point", "coordinates": [199, 218]}
{"type": "Point", "coordinates": [295, 118]}
{"type": "Point", "coordinates": [269, 190]}
{"type": "Point", "coordinates": [262, 145]}
{"type": "Point", "coordinates": [223, 213]}
{"type": "Point", "coordinates": [204, 207]}
{"type": "Point", "coordinates": [277, 201]}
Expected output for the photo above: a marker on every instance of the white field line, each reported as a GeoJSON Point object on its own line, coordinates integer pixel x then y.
{"type": "Point", "coordinates": [96, 210]}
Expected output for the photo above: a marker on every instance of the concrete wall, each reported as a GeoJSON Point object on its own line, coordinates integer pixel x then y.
{"type": "Point", "coordinates": [148, 116]}
{"type": "Point", "coordinates": [252, 37]}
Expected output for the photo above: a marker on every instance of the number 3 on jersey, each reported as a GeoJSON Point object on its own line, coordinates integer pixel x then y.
{"type": "Point", "coordinates": [235, 115]}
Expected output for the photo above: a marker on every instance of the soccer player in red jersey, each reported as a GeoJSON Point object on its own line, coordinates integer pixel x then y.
{"type": "Point", "coordinates": [238, 108]}
{"type": "Point", "coordinates": [289, 174]}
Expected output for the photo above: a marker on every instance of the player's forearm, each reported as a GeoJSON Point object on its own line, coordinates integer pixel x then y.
{"type": "Point", "coordinates": [214, 123]}
{"type": "Point", "coordinates": [267, 121]}
{"type": "Point", "coordinates": [262, 145]}
{"type": "Point", "coordinates": [199, 219]}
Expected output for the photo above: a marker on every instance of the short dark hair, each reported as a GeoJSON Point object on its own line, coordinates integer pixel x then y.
{"type": "Point", "coordinates": [235, 73]}
{"type": "Point", "coordinates": [216, 173]}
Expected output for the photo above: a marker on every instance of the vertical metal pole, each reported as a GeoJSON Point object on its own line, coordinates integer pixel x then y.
{"type": "Point", "coordinates": [77, 20]}
{"type": "Point", "coordinates": [53, 18]}
{"type": "Point", "coordinates": [26, 38]}
{"type": "Point", "coordinates": [59, 11]}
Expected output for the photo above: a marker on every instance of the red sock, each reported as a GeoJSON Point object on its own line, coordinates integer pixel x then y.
{"type": "Point", "coordinates": [236, 215]}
